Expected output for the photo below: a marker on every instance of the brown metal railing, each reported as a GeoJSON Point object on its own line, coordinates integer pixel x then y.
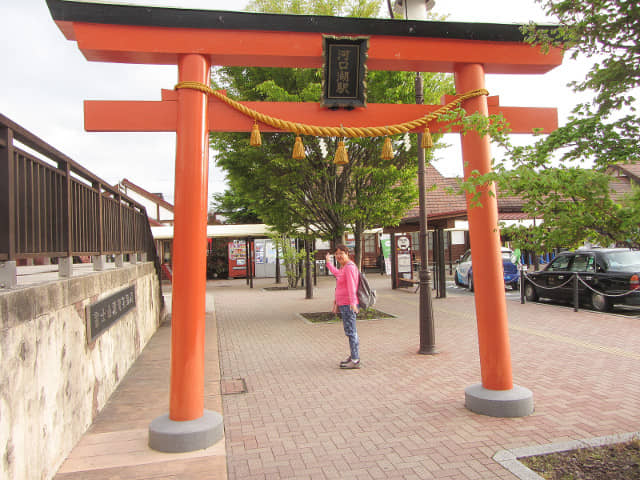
{"type": "Point", "coordinates": [54, 207]}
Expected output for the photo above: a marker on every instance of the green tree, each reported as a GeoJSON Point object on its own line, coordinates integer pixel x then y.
{"type": "Point", "coordinates": [574, 202]}
{"type": "Point", "coordinates": [293, 259]}
{"type": "Point", "coordinates": [291, 194]}
{"type": "Point", "coordinates": [234, 207]}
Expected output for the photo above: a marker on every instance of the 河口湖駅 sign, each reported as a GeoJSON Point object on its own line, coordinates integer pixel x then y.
{"type": "Point", "coordinates": [344, 71]}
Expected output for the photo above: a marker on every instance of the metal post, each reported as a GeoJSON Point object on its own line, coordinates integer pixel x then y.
{"type": "Point", "coordinates": [309, 286]}
{"type": "Point", "coordinates": [394, 262]}
{"type": "Point", "coordinates": [427, 331]}
{"type": "Point", "coordinates": [278, 279]}
{"type": "Point", "coordinates": [449, 240]}
{"type": "Point", "coordinates": [315, 264]}
{"type": "Point", "coordinates": [442, 280]}
{"type": "Point", "coordinates": [576, 298]}
{"type": "Point", "coordinates": [7, 196]}
{"type": "Point", "coordinates": [8, 269]}
{"type": "Point", "coordinates": [251, 258]}
{"type": "Point", "coordinates": [246, 259]}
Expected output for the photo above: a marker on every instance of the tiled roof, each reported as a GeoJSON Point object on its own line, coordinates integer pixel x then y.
{"type": "Point", "coordinates": [513, 216]}
{"type": "Point", "coordinates": [630, 172]}
{"type": "Point", "coordinates": [443, 201]}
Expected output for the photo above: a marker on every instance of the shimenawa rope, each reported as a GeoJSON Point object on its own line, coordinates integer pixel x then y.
{"type": "Point", "coordinates": [341, 131]}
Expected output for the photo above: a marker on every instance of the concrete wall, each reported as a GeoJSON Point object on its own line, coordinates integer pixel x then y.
{"type": "Point", "coordinates": [52, 382]}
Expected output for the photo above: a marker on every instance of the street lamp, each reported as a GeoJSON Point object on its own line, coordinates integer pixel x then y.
{"type": "Point", "coordinates": [416, 10]}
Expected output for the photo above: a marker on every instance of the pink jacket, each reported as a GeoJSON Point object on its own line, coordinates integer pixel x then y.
{"type": "Point", "coordinates": [346, 283]}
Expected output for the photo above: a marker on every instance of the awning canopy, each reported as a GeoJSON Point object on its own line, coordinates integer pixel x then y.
{"type": "Point", "coordinates": [218, 231]}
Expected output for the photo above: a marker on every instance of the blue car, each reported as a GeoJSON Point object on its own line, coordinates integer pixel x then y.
{"type": "Point", "coordinates": [463, 275]}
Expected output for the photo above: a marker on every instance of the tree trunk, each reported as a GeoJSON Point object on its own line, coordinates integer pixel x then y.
{"type": "Point", "coordinates": [359, 235]}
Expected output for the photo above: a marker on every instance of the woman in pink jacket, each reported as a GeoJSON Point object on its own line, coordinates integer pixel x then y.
{"type": "Point", "coordinates": [346, 300]}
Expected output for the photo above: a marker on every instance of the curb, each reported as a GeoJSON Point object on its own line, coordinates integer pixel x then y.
{"type": "Point", "coordinates": [509, 458]}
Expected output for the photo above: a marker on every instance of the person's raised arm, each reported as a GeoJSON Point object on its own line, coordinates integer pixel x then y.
{"type": "Point", "coordinates": [329, 265]}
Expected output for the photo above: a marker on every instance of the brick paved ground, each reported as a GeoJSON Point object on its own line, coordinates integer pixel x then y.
{"type": "Point", "coordinates": [401, 416]}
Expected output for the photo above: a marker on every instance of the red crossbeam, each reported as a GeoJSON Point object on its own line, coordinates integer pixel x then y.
{"type": "Point", "coordinates": [149, 116]}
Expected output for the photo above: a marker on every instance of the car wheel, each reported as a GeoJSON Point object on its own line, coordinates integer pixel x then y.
{"type": "Point", "coordinates": [470, 279]}
{"type": "Point", "coordinates": [515, 286]}
{"type": "Point", "coordinates": [530, 293]}
{"type": "Point", "coordinates": [600, 302]}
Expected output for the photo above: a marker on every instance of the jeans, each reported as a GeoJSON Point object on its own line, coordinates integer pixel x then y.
{"type": "Point", "coordinates": [349, 324]}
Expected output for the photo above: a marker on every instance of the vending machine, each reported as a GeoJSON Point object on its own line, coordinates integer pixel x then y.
{"type": "Point", "coordinates": [237, 258]}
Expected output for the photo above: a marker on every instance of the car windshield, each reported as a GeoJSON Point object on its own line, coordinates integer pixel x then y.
{"type": "Point", "coordinates": [624, 260]}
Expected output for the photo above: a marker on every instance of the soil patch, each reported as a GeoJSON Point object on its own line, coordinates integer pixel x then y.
{"type": "Point", "coordinates": [368, 314]}
{"type": "Point", "coordinates": [620, 461]}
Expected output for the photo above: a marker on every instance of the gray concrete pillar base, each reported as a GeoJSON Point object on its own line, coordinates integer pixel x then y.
{"type": "Point", "coordinates": [119, 260]}
{"type": "Point", "coordinates": [517, 402]}
{"type": "Point", "coordinates": [8, 274]}
{"type": "Point", "coordinates": [99, 262]}
{"type": "Point", "coordinates": [65, 267]}
{"type": "Point", "coordinates": [133, 258]}
{"type": "Point", "coordinates": [169, 436]}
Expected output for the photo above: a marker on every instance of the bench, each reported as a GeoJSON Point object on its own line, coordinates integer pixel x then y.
{"type": "Point", "coordinates": [408, 282]}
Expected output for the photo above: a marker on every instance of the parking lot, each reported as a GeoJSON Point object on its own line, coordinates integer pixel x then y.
{"type": "Point", "coordinates": [514, 295]}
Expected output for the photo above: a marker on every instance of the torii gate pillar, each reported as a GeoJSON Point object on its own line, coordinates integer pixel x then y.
{"type": "Point", "coordinates": [496, 395]}
{"type": "Point", "coordinates": [188, 426]}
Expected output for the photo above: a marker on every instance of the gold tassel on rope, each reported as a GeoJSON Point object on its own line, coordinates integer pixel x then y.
{"type": "Point", "coordinates": [427, 141]}
{"type": "Point", "coordinates": [341, 157]}
{"type": "Point", "coordinates": [298, 149]}
{"type": "Point", "coordinates": [387, 150]}
{"type": "Point", "coordinates": [256, 139]}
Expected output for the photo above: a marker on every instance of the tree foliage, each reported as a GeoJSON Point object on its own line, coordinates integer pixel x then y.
{"type": "Point", "coordinates": [235, 208]}
{"type": "Point", "coordinates": [563, 176]}
{"type": "Point", "coordinates": [292, 194]}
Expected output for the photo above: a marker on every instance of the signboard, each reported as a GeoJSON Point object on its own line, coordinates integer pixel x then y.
{"type": "Point", "coordinates": [344, 71]}
{"type": "Point", "coordinates": [104, 313]}
{"type": "Point", "coordinates": [403, 257]}
{"type": "Point", "coordinates": [350, 240]}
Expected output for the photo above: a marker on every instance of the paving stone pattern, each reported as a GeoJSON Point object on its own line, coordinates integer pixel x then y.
{"type": "Point", "coordinates": [402, 415]}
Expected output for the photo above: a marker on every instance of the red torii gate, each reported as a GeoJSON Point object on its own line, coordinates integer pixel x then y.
{"type": "Point", "coordinates": [194, 40]}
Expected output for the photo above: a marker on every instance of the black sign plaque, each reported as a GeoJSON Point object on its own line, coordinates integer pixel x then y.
{"type": "Point", "coordinates": [104, 313]}
{"type": "Point", "coordinates": [344, 71]}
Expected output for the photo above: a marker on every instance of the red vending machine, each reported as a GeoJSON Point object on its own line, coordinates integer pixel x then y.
{"type": "Point", "coordinates": [237, 258]}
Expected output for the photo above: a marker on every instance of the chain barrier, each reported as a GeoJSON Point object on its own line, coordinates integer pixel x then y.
{"type": "Point", "coordinates": [548, 288]}
{"type": "Point", "coordinates": [571, 278]}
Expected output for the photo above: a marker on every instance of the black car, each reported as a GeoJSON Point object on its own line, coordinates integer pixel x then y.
{"type": "Point", "coordinates": [606, 276]}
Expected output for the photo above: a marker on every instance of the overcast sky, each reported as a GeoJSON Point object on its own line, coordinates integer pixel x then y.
{"type": "Point", "coordinates": [44, 79]}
